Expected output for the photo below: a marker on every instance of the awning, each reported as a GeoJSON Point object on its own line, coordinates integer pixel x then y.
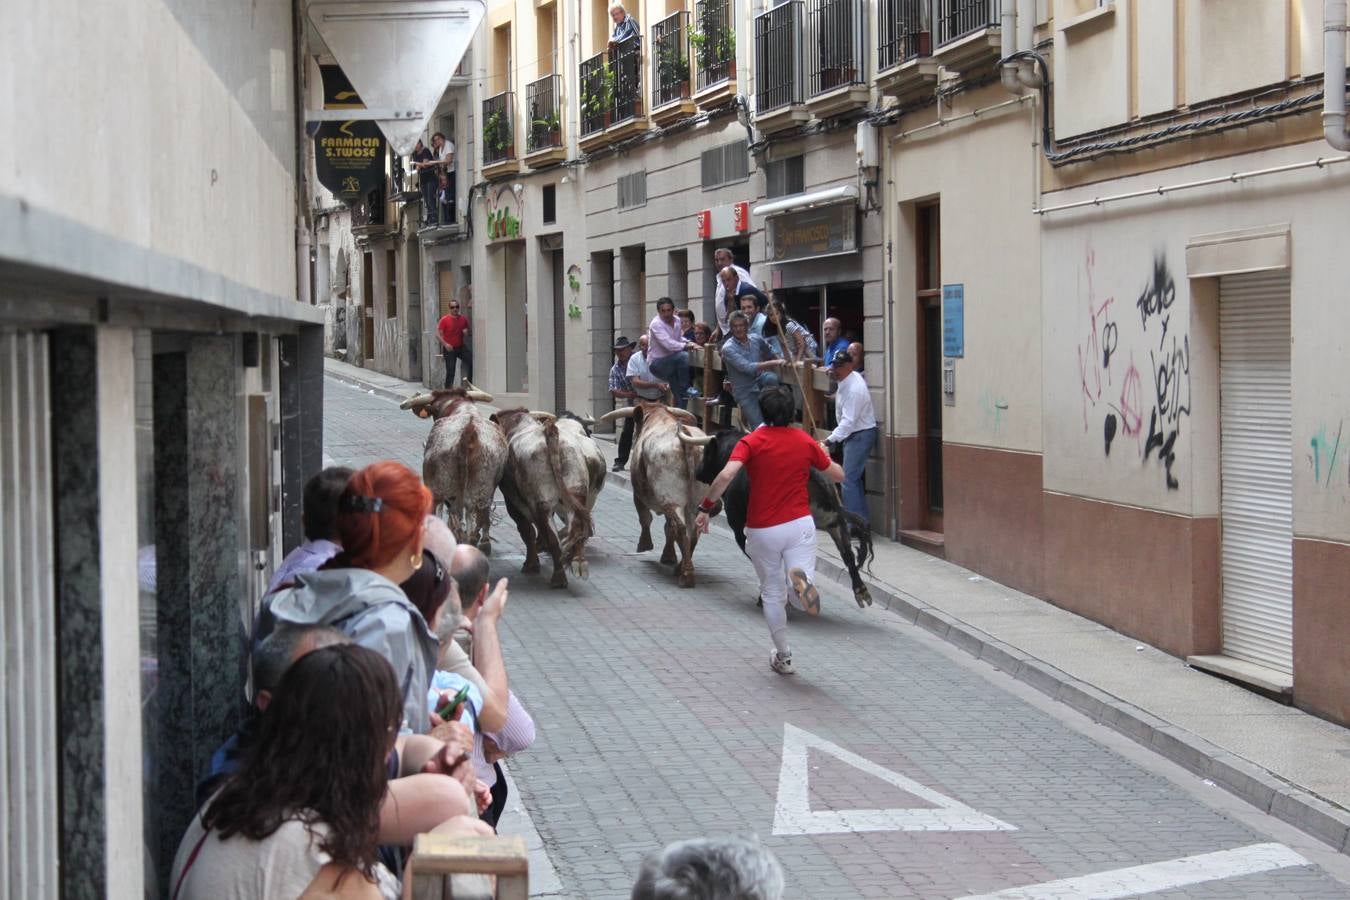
{"type": "Point", "coordinates": [805, 201]}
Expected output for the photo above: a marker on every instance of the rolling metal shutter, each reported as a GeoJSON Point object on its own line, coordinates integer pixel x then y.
{"type": "Point", "coordinates": [1256, 467]}
{"type": "Point", "coordinates": [28, 843]}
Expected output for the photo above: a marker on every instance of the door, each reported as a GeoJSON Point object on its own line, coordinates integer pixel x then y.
{"type": "Point", "coordinates": [928, 364]}
{"type": "Point", "coordinates": [558, 275]}
{"type": "Point", "coordinates": [368, 309]}
{"type": "Point", "coordinates": [1256, 469]}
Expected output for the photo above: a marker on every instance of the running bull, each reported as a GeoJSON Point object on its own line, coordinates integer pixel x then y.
{"type": "Point", "coordinates": [665, 480]}
{"type": "Point", "coordinates": [826, 508]}
{"type": "Point", "coordinates": [462, 461]}
{"type": "Point", "coordinates": [551, 471]}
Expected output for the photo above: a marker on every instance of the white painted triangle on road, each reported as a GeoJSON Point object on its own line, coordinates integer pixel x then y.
{"type": "Point", "coordinates": [398, 54]}
{"type": "Point", "coordinates": [793, 813]}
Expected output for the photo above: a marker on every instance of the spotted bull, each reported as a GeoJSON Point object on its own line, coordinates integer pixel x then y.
{"type": "Point", "coordinates": [549, 473]}
{"type": "Point", "coordinates": [826, 509]}
{"type": "Point", "coordinates": [664, 471]}
{"type": "Point", "coordinates": [462, 461]}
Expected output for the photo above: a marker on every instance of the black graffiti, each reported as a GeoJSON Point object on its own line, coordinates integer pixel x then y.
{"type": "Point", "coordinates": [1110, 337]}
{"type": "Point", "coordinates": [1109, 427]}
{"type": "Point", "coordinates": [1163, 441]}
{"type": "Point", "coordinates": [1157, 297]}
{"type": "Point", "coordinates": [1172, 380]}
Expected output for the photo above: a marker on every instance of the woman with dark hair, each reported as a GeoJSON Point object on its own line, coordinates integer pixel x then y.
{"type": "Point", "coordinates": [303, 811]}
{"type": "Point", "coordinates": [801, 344]}
{"type": "Point", "coordinates": [780, 535]}
{"type": "Point", "coordinates": [380, 526]}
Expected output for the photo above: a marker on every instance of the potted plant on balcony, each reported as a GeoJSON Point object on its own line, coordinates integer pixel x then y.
{"type": "Point", "coordinates": [673, 70]}
{"type": "Point", "coordinates": [545, 130]}
{"type": "Point", "coordinates": [597, 99]}
{"type": "Point", "coordinates": [497, 138]}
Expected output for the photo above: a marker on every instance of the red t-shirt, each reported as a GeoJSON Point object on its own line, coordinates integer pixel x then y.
{"type": "Point", "coordinates": [777, 460]}
{"type": "Point", "coordinates": [452, 330]}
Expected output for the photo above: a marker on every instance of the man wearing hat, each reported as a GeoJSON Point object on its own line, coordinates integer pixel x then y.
{"type": "Point", "coordinates": [856, 431]}
{"type": "Point", "coordinates": [622, 390]}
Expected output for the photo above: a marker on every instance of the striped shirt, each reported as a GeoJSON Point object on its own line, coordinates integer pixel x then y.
{"type": "Point", "coordinates": [516, 735]}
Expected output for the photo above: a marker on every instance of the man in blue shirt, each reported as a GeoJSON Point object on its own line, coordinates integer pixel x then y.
{"type": "Point", "coordinates": [750, 366]}
{"type": "Point", "coordinates": [832, 339]}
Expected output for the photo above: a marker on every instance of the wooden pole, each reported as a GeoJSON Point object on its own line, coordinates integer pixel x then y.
{"type": "Point", "coordinates": [792, 353]}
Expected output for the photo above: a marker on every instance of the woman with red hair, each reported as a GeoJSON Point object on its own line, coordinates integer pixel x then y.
{"type": "Point", "coordinates": [381, 515]}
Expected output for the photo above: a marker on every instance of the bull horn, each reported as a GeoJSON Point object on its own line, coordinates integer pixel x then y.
{"type": "Point", "coordinates": [416, 400]}
{"type": "Point", "coordinates": [693, 440]}
{"type": "Point", "coordinates": [622, 412]}
{"type": "Point", "coordinates": [681, 413]}
{"type": "Point", "coordinates": [543, 416]}
{"type": "Point", "coordinates": [479, 396]}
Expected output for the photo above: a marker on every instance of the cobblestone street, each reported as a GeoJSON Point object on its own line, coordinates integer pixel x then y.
{"type": "Point", "coordinates": [889, 766]}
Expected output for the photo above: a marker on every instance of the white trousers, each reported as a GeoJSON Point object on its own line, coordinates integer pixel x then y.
{"type": "Point", "coordinates": [775, 551]}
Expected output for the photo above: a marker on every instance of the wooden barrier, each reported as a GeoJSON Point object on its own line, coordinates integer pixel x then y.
{"type": "Point", "coordinates": [454, 867]}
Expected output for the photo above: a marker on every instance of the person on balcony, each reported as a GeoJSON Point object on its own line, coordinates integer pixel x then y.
{"type": "Point", "coordinates": [626, 62]}
{"type": "Point", "coordinates": [424, 164]}
{"type": "Point", "coordinates": [625, 26]}
{"type": "Point", "coordinates": [444, 151]}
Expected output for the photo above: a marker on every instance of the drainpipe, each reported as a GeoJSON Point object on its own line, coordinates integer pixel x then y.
{"type": "Point", "coordinates": [1333, 74]}
{"type": "Point", "coordinates": [1008, 38]}
{"type": "Point", "coordinates": [302, 142]}
{"type": "Point", "coordinates": [1026, 38]}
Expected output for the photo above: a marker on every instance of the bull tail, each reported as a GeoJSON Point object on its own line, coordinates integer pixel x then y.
{"type": "Point", "coordinates": [576, 504]}
{"type": "Point", "coordinates": [862, 534]}
{"type": "Point", "coordinates": [469, 449]}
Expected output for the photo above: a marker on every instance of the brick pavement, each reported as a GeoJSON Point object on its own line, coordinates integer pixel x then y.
{"type": "Point", "coordinates": [658, 719]}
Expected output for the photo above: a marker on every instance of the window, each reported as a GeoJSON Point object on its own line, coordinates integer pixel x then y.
{"type": "Point", "coordinates": [551, 203]}
{"type": "Point", "coordinates": [726, 164]}
{"type": "Point", "coordinates": [632, 190]}
{"type": "Point", "coordinates": [391, 298]}
{"type": "Point", "coordinates": [785, 176]}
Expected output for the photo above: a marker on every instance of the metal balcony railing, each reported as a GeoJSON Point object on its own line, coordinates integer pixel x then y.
{"type": "Point", "coordinates": [498, 128]}
{"type": "Point", "coordinates": [839, 57]}
{"type": "Point", "coordinates": [905, 27]}
{"type": "Point", "coordinates": [714, 41]}
{"type": "Point", "coordinates": [595, 94]}
{"type": "Point", "coordinates": [670, 59]}
{"type": "Point", "coordinates": [625, 62]}
{"type": "Point", "coordinates": [543, 105]}
{"type": "Point", "coordinates": [958, 18]}
{"type": "Point", "coordinates": [778, 57]}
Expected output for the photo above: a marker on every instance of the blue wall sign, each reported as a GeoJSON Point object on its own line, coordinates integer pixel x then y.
{"type": "Point", "coordinates": [954, 320]}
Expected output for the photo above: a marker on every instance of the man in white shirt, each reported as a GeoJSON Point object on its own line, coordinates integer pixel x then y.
{"type": "Point", "coordinates": [723, 258]}
{"type": "Point", "coordinates": [856, 431]}
{"type": "Point", "coordinates": [646, 385]}
{"type": "Point", "coordinates": [443, 149]}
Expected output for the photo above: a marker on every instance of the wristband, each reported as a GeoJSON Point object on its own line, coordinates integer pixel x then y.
{"type": "Point", "coordinates": [706, 506]}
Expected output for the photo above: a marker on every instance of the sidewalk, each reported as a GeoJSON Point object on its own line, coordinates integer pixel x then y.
{"type": "Point", "coordinates": [1279, 759]}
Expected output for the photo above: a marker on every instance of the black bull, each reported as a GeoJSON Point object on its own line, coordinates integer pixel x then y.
{"type": "Point", "coordinates": [826, 509]}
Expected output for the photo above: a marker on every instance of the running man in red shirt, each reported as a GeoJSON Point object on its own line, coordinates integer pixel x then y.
{"type": "Point", "coordinates": [780, 535]}
{"type": "Point", "coordinates": [456, 344]}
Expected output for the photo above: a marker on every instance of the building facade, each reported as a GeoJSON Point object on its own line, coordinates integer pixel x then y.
{"type": "Point", "coordinates": [160, 409]}
{"type": "Point", "coordinates": [1096, 283]}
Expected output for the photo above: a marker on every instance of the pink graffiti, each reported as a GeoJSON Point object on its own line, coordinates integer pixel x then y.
{"type": "Point", "coordinates": [1094, 355]}
{"type": "Point", "coordinates": [1131, 403]}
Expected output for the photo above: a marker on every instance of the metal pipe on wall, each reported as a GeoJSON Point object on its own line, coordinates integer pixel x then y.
{"type": "Point", "coordinates": [1333, 74]}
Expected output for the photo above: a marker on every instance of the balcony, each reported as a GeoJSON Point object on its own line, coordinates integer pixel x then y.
{"type": "Point", "coordinates": [611, 94]}
{"type": "Point", "coordinates": [671, 79]}
{"type": "Point", "coordinates": [714, 49]}
{"type": "Point", "coordinates": [968, 34]}
{"type": "Point", "coordinates": [905, 66]}
{"type": "Point", "coordinates": [779, 101]}
{"type": "Point", "coordinates": [837, 61]}
{"type": "Point", "coordinates": [499, 135]}
{"type": "Point", "coordinates": [543, 105]}
{"type": "Point", "coordinates": [595, 102]}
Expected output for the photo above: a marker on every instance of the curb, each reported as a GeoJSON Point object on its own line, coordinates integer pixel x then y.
{"type": "Point", "coordinates": [1245, 780]}
{"type": "Point", "coordinates": [378, 390]}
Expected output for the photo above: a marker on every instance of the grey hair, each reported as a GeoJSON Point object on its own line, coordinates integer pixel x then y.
{"type": "Point", "coordinates": [281, 648]}
{"type": "Point", "coordinates": [732, 868]}
{"type": "Point", "coordinates": [738, 316]}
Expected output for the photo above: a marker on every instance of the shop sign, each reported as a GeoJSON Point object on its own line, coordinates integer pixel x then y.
{"type": "Point", "coordinates": [349, 157]}
{"type": "Point", "coordinates": [705, 223]}
{"type": "Point", "coordinates": [954, 320]}
{"type": "Point", "coordinates": [812, 233]}
{"type": "Point", "coordinates": [740, 217]}
{"type": "Point", "coordinates": [503, 215]}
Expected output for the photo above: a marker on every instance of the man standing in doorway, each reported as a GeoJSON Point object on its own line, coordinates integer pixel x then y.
{"type": "Point", "coordinates": [621, 389]}
{"type": "Point", "coordinates": [456, 344]}
{"type": "Point", "coordinates": [831, 338]}
{"type": "Point", "coordinates": [751, 367]}
{"type": "Point", "coordinates": [668, 354]}
{"type": "Point", "coordinates": [723, 258]}
{"type": "Point", "coordinates": [856, 431]}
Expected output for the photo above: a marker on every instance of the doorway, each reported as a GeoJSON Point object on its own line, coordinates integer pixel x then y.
{"type": "Point", "coordinates": [557, 275]}
{"type": "Point", "coordinates": [368, 308]}
{"type": "Point", "coordinates": [928, 365]}
{"type": "Point", "coordinates": [517, 319]}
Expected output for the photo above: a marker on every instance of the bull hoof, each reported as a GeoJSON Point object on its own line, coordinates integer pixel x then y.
{"type": "Point", "coordinates": [531, 567]}
{"type": "Point", "coordinates": [668, 558]}
{"type": "Point", "coordinates": [686, 579]}
{"type": "Point", "coordinates": [581, 569]}
{"type": "Point", "coordinates": [864, 598]}
{"type": "Point", "coordinates": [644, 543]}
{"type": "Point", "coordinates": [559, 579]}
{"type": "Point", "coordinates": [486, 546]}
{"type": "Point", "coordinates": [759, 601]}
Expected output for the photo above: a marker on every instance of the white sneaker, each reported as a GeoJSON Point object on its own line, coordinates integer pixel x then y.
{"type": "Point", "coordinates": [780, 662]}
{"type": "Point", "coordinates": [806, 591]}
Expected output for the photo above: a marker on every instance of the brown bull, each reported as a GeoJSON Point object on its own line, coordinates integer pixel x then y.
{"type": "Point", "coordinates": [544, 477]}
{"type": "Point", "coordinates": [665, 480]}
{"type": "Point", "coordinates": [462, 461]}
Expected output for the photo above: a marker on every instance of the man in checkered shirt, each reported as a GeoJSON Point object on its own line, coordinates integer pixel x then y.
{"type": "Point", "coordinates": [623, 392]}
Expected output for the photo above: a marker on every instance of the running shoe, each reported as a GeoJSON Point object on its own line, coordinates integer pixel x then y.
{"type": "Point", "coordinates": [806, 591]}
{"type": "Point", "coordinates": [781, 662]}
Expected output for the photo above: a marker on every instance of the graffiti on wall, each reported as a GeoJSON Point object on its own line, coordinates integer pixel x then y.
{"type": "Point", "coordinates": [1114, 391]}
{"type": "Point", "coordinates": [1326, 453]}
